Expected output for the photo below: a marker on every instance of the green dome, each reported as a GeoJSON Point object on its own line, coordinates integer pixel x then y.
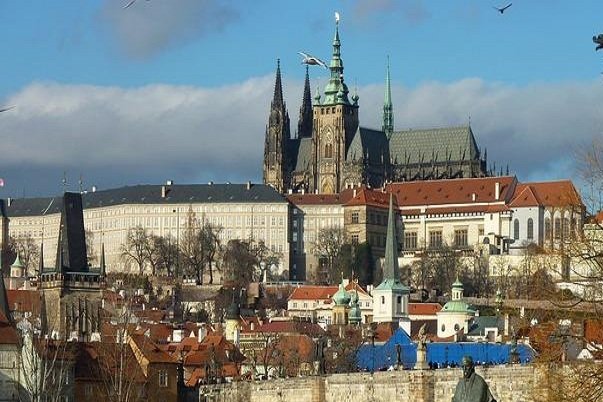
{"type": "Point", "coordinates": [341, 297]}
{"type": "Point", "coordinates": [18, 263]}
{"type": "Point", "coordinates": [457, 306]}
{"type": "Point", "coordinates": [457, 284]}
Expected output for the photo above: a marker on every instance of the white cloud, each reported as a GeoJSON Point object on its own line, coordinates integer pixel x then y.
{"type": "Point", "coordinates": [118, 136]}
{"type": "Point", "coordinates": [148, 27]}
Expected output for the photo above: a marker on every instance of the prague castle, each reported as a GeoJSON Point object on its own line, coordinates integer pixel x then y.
{"type": "Point", "coordinates": [331, 151]}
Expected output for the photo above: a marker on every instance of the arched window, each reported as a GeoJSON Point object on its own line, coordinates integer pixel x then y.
{"type": "Point", "coordinates": [547, 228]}
{"type": "Point", "coordinates": [443, 327]}
{"type": "Point", "coordinates": [566, 228]}
{"type": "Point", "coordinates": [530, 229]}
{"type": "Point", "coordinates": [557, 228]}
{"type": "Point", "coordinates": [456, 327]}
{"type": "Point", "coordinates": [516, 229]}
{"type": "Point", "coordinates": [329, 150]}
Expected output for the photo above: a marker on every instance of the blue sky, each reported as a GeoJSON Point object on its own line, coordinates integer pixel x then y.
{"type": "Point", "coordinates": [126, 96]}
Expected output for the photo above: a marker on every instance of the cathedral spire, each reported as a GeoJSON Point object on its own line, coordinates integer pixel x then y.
{"type": "Point", "coordinates": [277, 138]}
{"type": "Point", "coordinates": [336, 91]}
{"type": "Point", "coordinates": [277, 99]}
{"type": "Point", "coordinates": [304, 124]}
{"type": "Point", "coordinates": [388, 109]}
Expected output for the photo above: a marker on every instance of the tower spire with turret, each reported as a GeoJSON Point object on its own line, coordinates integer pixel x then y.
{"type": "Point", "coordinates": [388, 109]}
{"type": "Point", "coordinates": [304, 124]}
{"type": "Point", "coordinates": [336, 91]}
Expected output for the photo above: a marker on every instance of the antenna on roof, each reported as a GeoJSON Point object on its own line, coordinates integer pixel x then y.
{"type": "Point", "coordinates": [64, 181]}
{"type": "Point", "coordinates": [80, 182]}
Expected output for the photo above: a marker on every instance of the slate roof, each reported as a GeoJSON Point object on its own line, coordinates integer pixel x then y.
{"type": "Point", "coordinates": [151, 194]}
{"type": "Point", "coordinates": [302, 149]}
{"type": "Point", "coordinates": [366, 140]}
{"type": "Point", "coordinates": [419, 146]}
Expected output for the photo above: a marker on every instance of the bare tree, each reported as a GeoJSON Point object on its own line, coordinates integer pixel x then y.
{"type": "Point", "coordinates": [136, 246]}
{"type": "Point", "coordinates": [28, 251]}
{"type": "Point", "coordinates": [238, 264]}
{"type": "Point", "coordinates": [47, 368]}
{"type": "Point", "coordinates": [90, 249]}
{"type": "Point", "coordinates": [212, 247]}
{"type": "Point", "coordinates": [330, 250]}
{"type": "Point", "coordinates": [162, 254]}
{"type": "Point", "coordinates": [265, 258]}
{"type": "Point", "coordinates": [192, 247]}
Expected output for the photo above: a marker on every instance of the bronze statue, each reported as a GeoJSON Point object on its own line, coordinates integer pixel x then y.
{"type": "Point", "coordinates": [599, 41]}
{"type": "Point", "coordinates": [472, 387]}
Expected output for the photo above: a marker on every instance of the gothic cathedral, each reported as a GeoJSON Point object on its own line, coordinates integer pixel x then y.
{"type": "Point", "coordinates": [331, 151]}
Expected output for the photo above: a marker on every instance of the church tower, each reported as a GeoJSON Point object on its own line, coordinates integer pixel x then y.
{"type": "Point", "coordinates": [390, 298]}
{"type": "Point", "coordinates": [277, 138]}
{"type": "Point", "coordinates": [388, 108]}
{"type": "Point", "coordinates": [335, 123]}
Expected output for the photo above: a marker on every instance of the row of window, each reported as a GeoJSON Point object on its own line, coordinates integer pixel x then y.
{"type": "Point", "coordinates": [461, 239]}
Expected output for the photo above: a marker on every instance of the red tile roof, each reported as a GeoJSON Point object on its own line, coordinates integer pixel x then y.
{"type": "Point", "coordinates": [320, 199]}
{"type": "Point", "coordinates": [289, 327]}
{"type": "Point", "coordinates": [423, 308]}
{"type": "Point", "coordinates": [560, 193]}
{"type": "Point", "coordinates": [8, 333]}
{"type": "Point", "coordinates": [315, 292]}
{"type": "Point", "coordinates": [452, 191]}
{"type": "Point", "coordinates": [24, 301]}
{"type": "Point", "coordinates": [371, 198]}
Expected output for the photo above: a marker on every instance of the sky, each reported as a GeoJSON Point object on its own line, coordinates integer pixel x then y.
{"type": "Point", "coordinates": [180, 89]}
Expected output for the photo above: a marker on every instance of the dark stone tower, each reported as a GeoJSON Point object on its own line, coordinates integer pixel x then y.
{"type": "Point", "coordinates": [71, 290]}
{"type": "Point", "coordinates": [276, 161]}
{"type": "Point", "coordinates": [335, 123]}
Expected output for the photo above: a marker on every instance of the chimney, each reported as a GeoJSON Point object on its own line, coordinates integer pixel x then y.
{"type": "Point", "coordinates": [177, 335]}
{"type": "Point", "coordinates": [496, 191]}
{"type": "Point", "coordinates": [9, 201]}
{"type": "Point", "coordinates": [506, 325]}
{"type": "Point", "coordinates": [252, 326]}
{"type": "Point", "coordinates": [164, 191]}
{"type": "Point", "coordinates": [354, 193]}
{"type": "Point", "coordinates": [202, 332]}
{"type": "Point", "coordinates": [473, 197]}
{"type": "Point", "coordinates": [290, 191]}
{"type": "Point", "coordinates": [248, 185]}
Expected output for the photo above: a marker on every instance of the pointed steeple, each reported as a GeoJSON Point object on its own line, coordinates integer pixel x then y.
{"type": "Point", "coordinates": [277, 138]}
{"type": "Point", "coordinates": [388, 108]}
{"type": "Point", "coordinates": [336, 91]}
{"type": "Point", "coordinates": [277, 99]}
{"type": "Point", "coordinates": [391, 269]}
{"type": "Point", "coordinates": [304, 124]}
{"type": "Point", "coordinates": [102, 260]}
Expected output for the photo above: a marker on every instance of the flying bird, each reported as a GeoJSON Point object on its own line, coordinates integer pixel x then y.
{"type": "Point", "coordinates": [599, 41]}
{"type": "Point", "coordinates": [311, 60]}
{"type": "Point", "coordinates": [130, 3]}
{"type": "Point", "coordinates": [6, 108]}
{"type": "Point", "coordinates": [502, 9]}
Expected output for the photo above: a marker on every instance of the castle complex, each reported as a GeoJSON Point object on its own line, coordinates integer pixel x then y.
{"type": "Point", "coordinates": [331, 151]}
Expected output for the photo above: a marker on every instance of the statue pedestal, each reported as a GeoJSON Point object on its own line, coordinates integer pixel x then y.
{"type": "Point", "coordinates": [421, 363]}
